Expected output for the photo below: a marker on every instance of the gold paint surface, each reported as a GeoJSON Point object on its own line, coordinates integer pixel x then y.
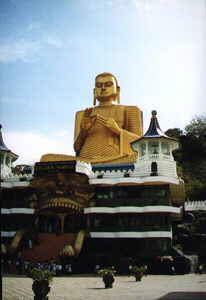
{"type": "Point", "coordinates": [103, 133]}
{"type": "Point", "coordinates": [103, 145]}
{"type": "Point", "coordinates": [16, 239]}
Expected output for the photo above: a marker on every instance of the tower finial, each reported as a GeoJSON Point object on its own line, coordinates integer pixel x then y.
{"type": "Point", "coordinates": [154, 113]}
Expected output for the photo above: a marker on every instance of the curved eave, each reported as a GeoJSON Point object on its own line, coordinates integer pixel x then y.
{"type": "Point", "coordinates": [14, 156]}
{"type": "Point", "coordinates": [154, 129]}
{"type": "Point", "coordinates": [4, 148]}
{"type": "Point", "coordinates": [155, 136]}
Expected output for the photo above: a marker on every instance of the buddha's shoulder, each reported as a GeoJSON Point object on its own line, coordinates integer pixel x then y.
{"type": "Point", "coordinates": [130, 108]}
{"type": "Point", "coordinates": [78, 117]}
{"type": "Point", "coordinates": [81, 112]}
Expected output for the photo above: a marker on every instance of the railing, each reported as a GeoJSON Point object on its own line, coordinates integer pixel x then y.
{"type": "Point", "coordinates": [118, 228]}
{"type": "Point", "coordinates": [17, 210]}
{"type": "Point", "coordinates": [195, 205]}
{"type": "Point", "coordinates": [156, 157]}
{"type": "Point", "coordinates": [130, 202]}
{"type": "Point", "coordinates": [14, 177]}
{"type": "Point", "coordinates": [8, 233]}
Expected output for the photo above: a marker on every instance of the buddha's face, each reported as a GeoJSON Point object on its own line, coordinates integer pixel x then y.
{"type": "Point", "coordinates": [105, 88]}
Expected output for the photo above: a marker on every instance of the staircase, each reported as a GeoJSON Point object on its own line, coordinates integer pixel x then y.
{"type": "Point", "coordinates": [49, 247]}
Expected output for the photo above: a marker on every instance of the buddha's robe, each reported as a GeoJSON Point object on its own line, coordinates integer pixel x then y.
{"type": "Point", "coordinates": [101, 145]}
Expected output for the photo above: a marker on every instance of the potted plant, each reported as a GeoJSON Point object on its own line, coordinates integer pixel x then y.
{"type": "Point", "coordinates": [41, 281]}
{"type": "Point", "coordinates": [138, 272]}
{"type": "Point", "coordinates": [107, 277]}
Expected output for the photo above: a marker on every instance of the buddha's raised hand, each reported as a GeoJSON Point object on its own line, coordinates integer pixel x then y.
{"type": "Point", "coordinates": [109, 123]}
{"type": "Point", "coordinates": [87, 121]}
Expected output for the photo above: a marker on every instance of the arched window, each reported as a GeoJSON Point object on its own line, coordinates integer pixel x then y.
{"type": "Point", "coordinates": [49, 224]}
{"type": "Point", "coordinates": [54, 224]}
{"type": "Point", "coordinates": [153, 169]}
{"type": "Point", "coordinates": [74, 223]}
{"type": "Point", "coordinates": [42, 223]}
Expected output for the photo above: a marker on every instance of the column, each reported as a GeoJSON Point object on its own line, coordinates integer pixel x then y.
{"type": "Point", "coordinates": [62, 217]}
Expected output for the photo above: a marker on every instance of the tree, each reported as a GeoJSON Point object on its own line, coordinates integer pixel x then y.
{"type": "Point", "coordinates": [191, 156]}
{"type": "Point", "coordinates": [174, 133]}
{"type": "Point", "coordinates": [197, 127]}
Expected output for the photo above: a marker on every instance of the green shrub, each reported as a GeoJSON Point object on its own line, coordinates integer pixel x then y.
{"type": "Point", "coordinates": [39, 275]}
{"type": "Point", "coordinates": [106, 271]}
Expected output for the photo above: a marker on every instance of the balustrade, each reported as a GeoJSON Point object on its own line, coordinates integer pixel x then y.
{"type": "Point", "coordinates": [129, 222]}
{"type": "Point", "coordinates": [156, 157]}
{"type": "Point", "coordinates": [142, 228]}
{"type": "Point", "coordinates": [139, 202]}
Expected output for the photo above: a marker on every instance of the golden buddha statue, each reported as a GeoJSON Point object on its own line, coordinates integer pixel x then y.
{"type": "Point", "coordinates": [103, 133]}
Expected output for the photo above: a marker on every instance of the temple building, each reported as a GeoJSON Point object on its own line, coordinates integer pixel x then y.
{"type": "Point", "coordinates": [115, 200]}
{"type": "Point", "coordinates": [7, 157]}
{"type": "Point", "coordinates": [134, 204]}
{"type": "Point", "coordinates": [104, 211]}
{"type": "Point", "coordinates": [16, 206]}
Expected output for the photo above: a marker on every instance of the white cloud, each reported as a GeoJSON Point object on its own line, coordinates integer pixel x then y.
{"type": "Point", "coordinates": [6, 100]}
{"type": "Point", "coordinates": [53, 41]}
{"type": "Point", "coordinates": [147, 5]}
{"type": "Point", "coordinates": [31, 146]}
{"type": "Point", "coordinates": [19, 50]}
{"type": "Point", "coordinates": [27, 50]}
{"type": "Point", "coordinates": [34, 26]}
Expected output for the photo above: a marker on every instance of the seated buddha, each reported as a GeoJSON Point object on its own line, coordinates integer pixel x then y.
{"type": "Point", "coordinates": [103, 133]}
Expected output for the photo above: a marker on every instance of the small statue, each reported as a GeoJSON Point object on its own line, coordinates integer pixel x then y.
{"type": "Point", "coordinates": [103, 133]}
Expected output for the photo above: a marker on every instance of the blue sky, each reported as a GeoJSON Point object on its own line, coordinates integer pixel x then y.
{"type": "Point", "coordinates": [51, 51]}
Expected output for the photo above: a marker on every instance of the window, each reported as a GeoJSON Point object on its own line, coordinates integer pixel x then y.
{"type": "Point", "coordinates": [143, 149]}
{"type": "Point", "coordinates": [49, 224]}
{"type": "Point", "coordinates": [74, 223]}
{"type": "Point", "coordinates": [1, 158]}
{"type": "Point", "coordinates": [8, 161]}
{"type": "Point", "coordinates": [102, 222]}
{"type": "Point", "coordinates": [153, 148]}
{"type": "Point", "coordinates": [153, 169]}
{"type": "Point", "coordinates": [165, 148]}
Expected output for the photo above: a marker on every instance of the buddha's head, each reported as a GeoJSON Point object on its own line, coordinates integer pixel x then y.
{"type": "Point", "coordinates": [106, 89]}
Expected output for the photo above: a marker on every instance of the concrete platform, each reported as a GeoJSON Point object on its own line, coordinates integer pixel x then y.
{"type": "Point", "coordinates": [152, 287]}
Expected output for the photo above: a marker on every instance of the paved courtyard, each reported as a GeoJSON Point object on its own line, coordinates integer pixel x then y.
{"type": "Point", "coordinates": [152, 287]}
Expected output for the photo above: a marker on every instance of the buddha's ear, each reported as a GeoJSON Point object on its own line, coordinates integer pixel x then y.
{"type": "Point", "coordinates": [118, 94]}
{"type": "Point", "coordinates": [95, 97]}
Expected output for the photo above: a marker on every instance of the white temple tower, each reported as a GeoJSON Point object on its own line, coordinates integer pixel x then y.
{"type": "Point", "coordinates": [7, 157]}
{"type": "Point", "coordinates": [155, 152]}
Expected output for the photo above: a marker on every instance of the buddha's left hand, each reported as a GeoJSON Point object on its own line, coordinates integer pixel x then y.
{"type": "Point", "coordinates": [109, 123]}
